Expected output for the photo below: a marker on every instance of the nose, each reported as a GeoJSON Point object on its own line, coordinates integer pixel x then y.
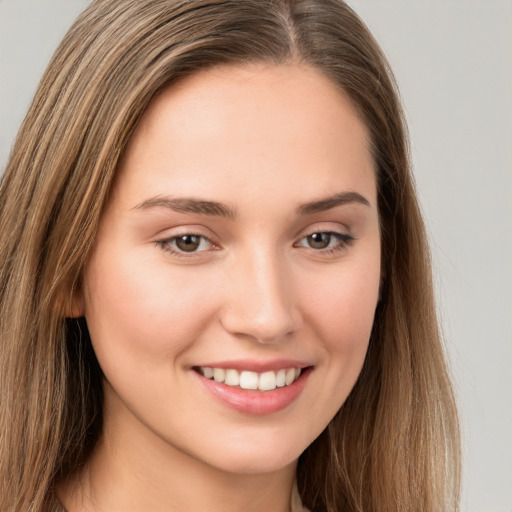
{"type": "Point", "coordinates": [261, 303]}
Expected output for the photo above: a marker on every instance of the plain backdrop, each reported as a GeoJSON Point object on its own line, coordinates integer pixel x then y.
{"type": "Point", "coordinates": [453, 61]}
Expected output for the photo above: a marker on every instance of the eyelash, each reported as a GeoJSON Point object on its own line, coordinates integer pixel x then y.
{"type": "Point", "coordinates": [166, 246]}
{"type": "Point", "coordinates": [343, 241]}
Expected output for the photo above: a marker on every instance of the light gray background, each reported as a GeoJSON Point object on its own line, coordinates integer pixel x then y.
{"type": "Point", "coordinates": [453, 61]}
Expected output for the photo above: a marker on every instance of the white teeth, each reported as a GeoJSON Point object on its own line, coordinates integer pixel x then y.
{"type": "Point", "coordinates": [290, 376]}
{"type": "Point", "coordinates": [232, 378]}
{"type": "Point", "coordinates": [249, 380]}
{"type": "Point", "coordinates": [219, 374]}
{"type": "Point", "coordinates": [266, 381]}
{"type": "Point", "coordinates": [207, 372]}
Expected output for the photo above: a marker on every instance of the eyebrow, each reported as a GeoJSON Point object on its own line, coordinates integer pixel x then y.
{"type": "Point", "coordinates": [188, 205]}
{"type": "Point", "coordinates": [327, 203]}
{"type": "Point", "coordinates": [214, 208]}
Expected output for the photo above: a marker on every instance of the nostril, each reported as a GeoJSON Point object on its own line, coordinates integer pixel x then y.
{"type": "Point", "coordinates": [268, 331]}
{"type": "Point", "coordinates": [260, 302]}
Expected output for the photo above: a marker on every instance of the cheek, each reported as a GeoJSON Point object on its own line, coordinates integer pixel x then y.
{"type": "Point", "coordinates": [351, 311]}
{"type": "Point", "coordinates": [342, 312]}
{"type": "Point", "coordinates": [140, 314]}
{"type": "Point", "coordinates": [343, 308]}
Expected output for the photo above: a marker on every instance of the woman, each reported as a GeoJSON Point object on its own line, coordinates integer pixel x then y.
{"type": "Point", "coordinates": [208, 218]}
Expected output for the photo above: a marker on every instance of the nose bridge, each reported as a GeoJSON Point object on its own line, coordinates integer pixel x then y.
{"type": "Point", "coordinates": [261, 302]}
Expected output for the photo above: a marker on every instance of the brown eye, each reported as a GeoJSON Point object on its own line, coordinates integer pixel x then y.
{"type": "Point", "coordinates": [326, 242]}
{"type": "Point", "coordinates": [188, 243]}
{"type": "Point", "coordinates": [319, 240]}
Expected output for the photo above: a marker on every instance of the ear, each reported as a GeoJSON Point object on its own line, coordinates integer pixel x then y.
{"type": "Point", "coordinates": [76, 306]}
{"type": "Point", "coordinates": [72, 306]}
{"type": "Point", "coordinates": [76, 310]}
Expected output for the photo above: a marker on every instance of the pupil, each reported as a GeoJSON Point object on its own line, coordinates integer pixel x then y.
{"type": "Point", "coordinates": [319, 240]}
{"type": "Point", "coordinates": [188, 243]}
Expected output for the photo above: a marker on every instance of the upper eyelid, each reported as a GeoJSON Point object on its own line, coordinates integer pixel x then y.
{"type": "Point", "coordinates": [188, 233]}
{"type": "Point", "coordinates": [344, 238]}
{"type": "Point", "coordinates": [165, 245]}
{"type": "Point", "coordinates": [323, 227]}
{"type": "Point", "coordinates": [177, 231]}
{"type": "Point", "coordinates": [326, 231]}
{"type": "Point", "coordinates": [171, 233]}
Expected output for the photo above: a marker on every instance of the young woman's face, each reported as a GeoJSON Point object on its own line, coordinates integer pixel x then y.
{"type": "Point", "coordinates": [241, 241]}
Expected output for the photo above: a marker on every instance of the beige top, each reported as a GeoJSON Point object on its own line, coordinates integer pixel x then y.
{"type": "Point", "coordinates": [296, 503]}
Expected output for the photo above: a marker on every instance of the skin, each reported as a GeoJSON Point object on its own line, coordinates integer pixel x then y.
{"type": "Point", "coordinates": [262, 140]}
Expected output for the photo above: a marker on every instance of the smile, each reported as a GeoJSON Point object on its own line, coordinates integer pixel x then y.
{"type": "Point", "coordinates": [265, 381]}
{"type": "Point", "coordinates": [255, 388]}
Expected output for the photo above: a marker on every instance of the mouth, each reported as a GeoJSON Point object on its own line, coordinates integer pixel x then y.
{"type": "Point", "coordinates": [250, 380]}
{"type": "Point", "coordinates": [254, 392]}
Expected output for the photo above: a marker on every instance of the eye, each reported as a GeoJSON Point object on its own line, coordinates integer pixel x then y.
{"type": "Point", "coordinates": [326, 240]}
{"type": "Point", "coordinates": [187, 243]}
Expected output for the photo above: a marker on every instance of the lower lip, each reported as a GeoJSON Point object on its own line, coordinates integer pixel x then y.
{"type": "Point", "coordinates": [254, 402]}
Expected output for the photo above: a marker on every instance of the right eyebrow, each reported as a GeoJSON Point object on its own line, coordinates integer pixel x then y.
{"type": "Point", "coordinates": [188, 205]}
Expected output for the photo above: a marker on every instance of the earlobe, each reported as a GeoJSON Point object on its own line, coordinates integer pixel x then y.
{"type": "Point", "coordinates": [73, 306]}
{"type": "Point", "coordinates": [76, 307]}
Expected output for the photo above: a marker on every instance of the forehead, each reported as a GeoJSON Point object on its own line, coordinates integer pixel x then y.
{"type": "Point", "coordinates": [258, 125]}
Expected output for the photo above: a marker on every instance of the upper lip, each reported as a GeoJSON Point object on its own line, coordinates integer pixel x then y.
{"type": "Point", "coordinates": [257, 366]}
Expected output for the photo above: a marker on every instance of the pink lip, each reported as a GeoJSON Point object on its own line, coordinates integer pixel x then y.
{"type": "Point", "coordinates": [257, 366]}
{"type": "Point", "coordinates": [256, 402]}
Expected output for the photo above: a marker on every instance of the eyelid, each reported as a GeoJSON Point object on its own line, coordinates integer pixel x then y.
{"type": "Point", "coordinates": [324, 227]}
{"type": "Point", "coordinates": [164, 242]}
{"type": "Point", "coordinates": [171, 235]}
{"type": "Point", "coordinates": [344, 238]}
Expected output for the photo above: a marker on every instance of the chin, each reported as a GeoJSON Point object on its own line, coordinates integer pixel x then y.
{"type": "Point", "coordinates": [254, 464]}
{"type": "Point", "coordinates": [251, 457]}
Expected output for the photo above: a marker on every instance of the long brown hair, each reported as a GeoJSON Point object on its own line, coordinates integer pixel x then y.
{"type": "Point", "coordinates": [394, 444]}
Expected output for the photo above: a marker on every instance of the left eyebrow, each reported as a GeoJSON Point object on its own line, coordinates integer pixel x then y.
{"type": "Point", "coordinates": [326, 203]}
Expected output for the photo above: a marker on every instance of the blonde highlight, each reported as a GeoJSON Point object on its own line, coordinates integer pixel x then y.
{"type": "Point", "coordinates": [114, 60]}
